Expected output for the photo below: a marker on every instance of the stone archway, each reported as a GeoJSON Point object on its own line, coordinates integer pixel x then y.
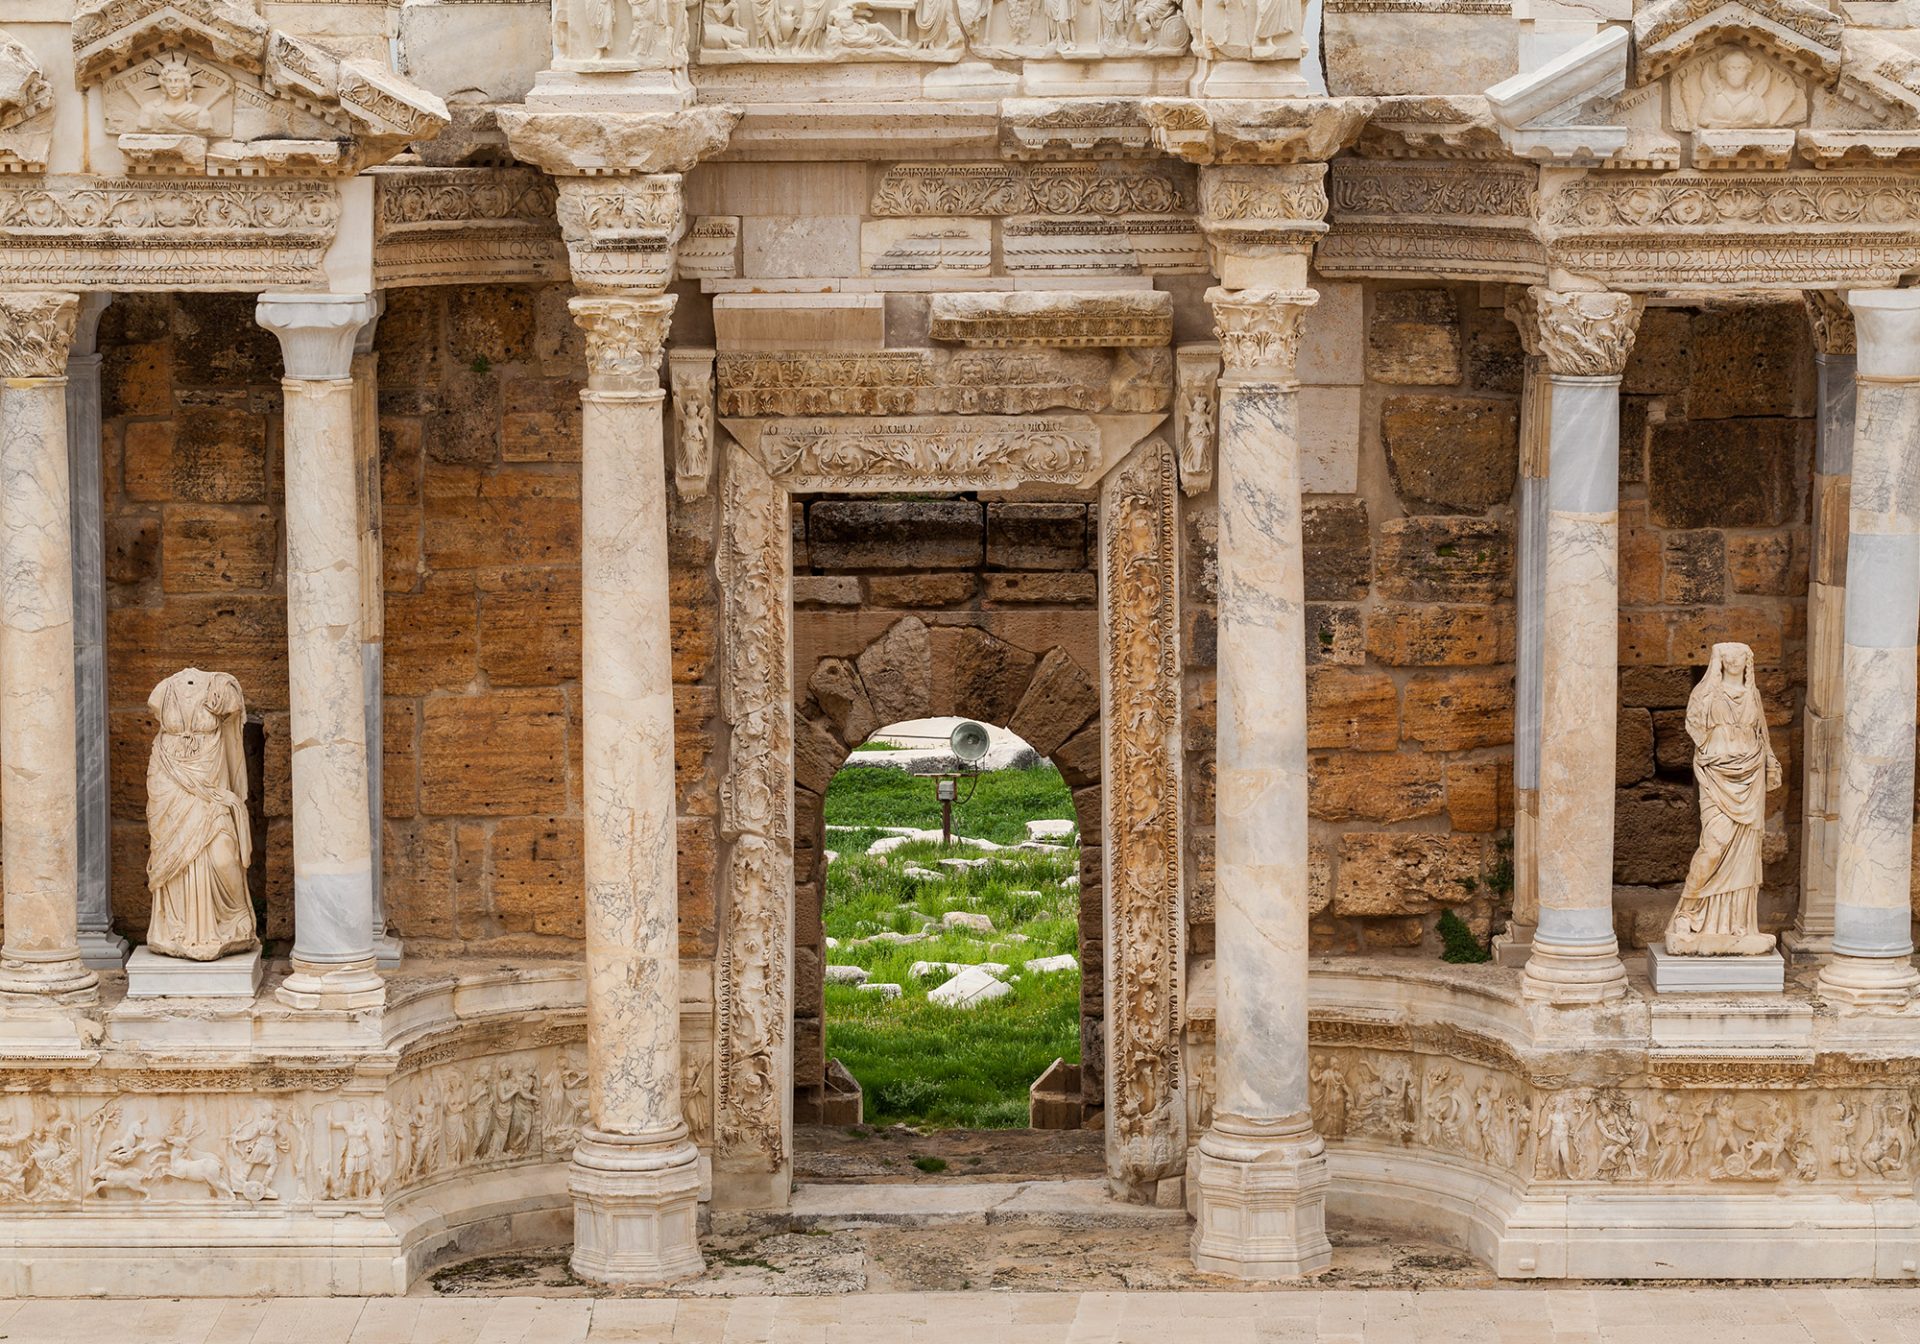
{"type": "Point", "coordinates": [967, 671]}
{"type": "Point", "coordinates": [1140, 826]}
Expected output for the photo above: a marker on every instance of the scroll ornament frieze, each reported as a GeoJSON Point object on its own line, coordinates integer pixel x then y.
{"type": "Point", "coordinates": [948, 30]}
{"type": "Point", "coordinates": [432, 225]}
{"type": "Point", "coordinates": [945, 382]}
{"type": "Point", "coordinates": [1583, 332]}
{"type": "Point", "coordinates": [929, 452]}
{"type": "Point", "coordinates": [1100, 189]}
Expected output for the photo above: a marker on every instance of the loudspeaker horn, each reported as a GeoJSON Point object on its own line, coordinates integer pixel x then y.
{"type": "Point", "coordinates": [969, 741]}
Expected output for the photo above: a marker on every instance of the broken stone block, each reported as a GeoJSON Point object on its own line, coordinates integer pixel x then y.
{"type": "Point", "coordinates": [1049, 828]}
{"type": "Point", "coordinates": [847, 975]}
{"type": "Point", "coordinates": [1042, 965]}
{"type": "Point", "coordinates": [972, 987]}
{"type": "Point", "coordinates": [884, 989]}
{"type": "Point", "coordinates": [967, 919]}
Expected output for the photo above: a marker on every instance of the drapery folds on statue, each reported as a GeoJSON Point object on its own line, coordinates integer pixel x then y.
{"type": "Point", "coordinates": [197, 818]}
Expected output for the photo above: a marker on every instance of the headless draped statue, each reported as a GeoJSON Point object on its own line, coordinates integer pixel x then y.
{"type": "Point", "coordinates": [200, 841]}
{"type": "Point", "coordinates": [1734, 765]}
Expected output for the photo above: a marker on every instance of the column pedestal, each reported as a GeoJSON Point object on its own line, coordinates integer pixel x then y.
{"type": "Point", "coordinates": [1263, 1201]}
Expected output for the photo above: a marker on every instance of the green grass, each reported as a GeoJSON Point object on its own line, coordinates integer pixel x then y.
{"type": "Point", "coordinates": [919, 1063]}
{"type": "Point", "coordinates": [996, 806]}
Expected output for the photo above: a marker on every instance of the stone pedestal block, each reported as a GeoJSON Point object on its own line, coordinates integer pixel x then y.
{"type": "Point", "coordinates": [1263, 1205]}
{"type": "Point", "coordinates": [635, 1207]}
{"type": "Point", "coordinates": [152, 976]}
{"type": "Point", "coordinates": [1671, 974]}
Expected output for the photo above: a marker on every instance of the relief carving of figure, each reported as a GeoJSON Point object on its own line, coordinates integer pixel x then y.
{"type": "Point", "coordinates": [127, 1163]}
{"type": "Point", "coordinates": [1885, 1151]}
{"type": "Point", "coordinates": [257, 1143]}
{"type": "Point", "coordinates": [13, 1167]}
{"type": "Point", "coordinates": [1678, 1122]}
{"type": "Point", "coordinates": [1331, 1098]}
{"type": "Point", "coordinates": [353, 1175]}
{"type": "Point", "coordinates": [54, 1156]}
{"type": "Point", "coordinates": [197, 819]}
{"type": "Point", "coordinates": [174, 112]}
{"type": "Point", "coordinates": [195, 1166]}
{"type": "Point", "coordinates": [1273, 21]}
{"type": "Point", "coordinates": [1733, 89]}
{"type": "Point", "coordinates": [1734, 765]}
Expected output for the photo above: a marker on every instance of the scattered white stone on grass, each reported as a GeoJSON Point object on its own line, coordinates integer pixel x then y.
{"type": "Point", "coordinates": [1068, 883]}
{"type": "Point", "coordinates": [885, 989]}
{"type": "Point", "coordinates": [965, 863]}
{"type": "Point", "coordinates": [1023, 891]}
{"type": "Point", "coordinates": [924, 970]}
{"type": "Point", "coordinates": [832, 942]}
{"type": "Point", "coordinates": [1041, 965]}
{"type": "Point", "coordinates": [847, 975]}
{"type": "Point", "coordinates": [897, 939]}
{"type": "Point", "coordinates": [831, 854]}
{"type": "Point", "coordinates": [972, 987]}
{"type": "Point", "coordinates": [886, 844]}
{"type": "Point", "coordinates": [919, 874]}
{"type": "Point", "coordinates": [1049, 829]}
{"type": "Point", "coordinates": [966, 919]}
{"type": "Point", "coordinates": [1036, 847]}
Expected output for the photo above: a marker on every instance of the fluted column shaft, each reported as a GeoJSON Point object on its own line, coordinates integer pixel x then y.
{"type": "Point", "coordinates": [635, 1175]}
{"type": "Point", "coordinates": [1872, 961]}
{"type": "Point", "coordinates": [41, 953]}
{"type": "Point", "coordinates": [1261, 1169]}
{"type": "Point", "coordinates": [333, 956]}
{"type": "Point", "coordinates": [1826, 618]}
{"type": "Point", "coordinates": [1585, 338]}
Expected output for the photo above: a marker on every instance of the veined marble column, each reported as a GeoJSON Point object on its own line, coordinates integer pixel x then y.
{"type": "Point", "coordinates": [1261, 1170]}
{"type": "Point", "coordinates": [1514, 945]}
{"type": "Point", "coordinates": [1584, 338]}
{"type": "Point", "coordinates": [333, 955]}
{"type": "Point", "coordinates": [100, 947]}
{"type": "Point", "coordinates": [1833, 340]}
{"type": "Point", "coordinates": [38, 756]}
{"type": "Point", "coordinates": [1872, 961]}
{"type": "Point", "coordinates": [635, 1177]}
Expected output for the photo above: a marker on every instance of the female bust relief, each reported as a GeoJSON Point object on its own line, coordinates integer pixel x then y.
{"type": "Point", "coordinates": [1734, 765]}
{"type": "Point", "coordinates": [197, 819]}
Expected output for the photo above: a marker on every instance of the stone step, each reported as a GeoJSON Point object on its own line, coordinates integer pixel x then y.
{"type": "Point", "coordinates": [1067, 1204]}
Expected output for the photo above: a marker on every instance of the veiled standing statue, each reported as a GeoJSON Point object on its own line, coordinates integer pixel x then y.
{"type": "Point", "coordinates": [1734, 765]}
{"type": "Point", "coordinates": [200, 842]}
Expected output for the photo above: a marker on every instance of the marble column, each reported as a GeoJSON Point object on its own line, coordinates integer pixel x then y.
{"type": "Point", "coordinates": [1513, 945]}
{"type": "Point", "coordinates": [38, 743]}
{"type": "Point", "coordinates": [635, 1176]}
{"type": "Point", "coordinates": [1833, 341]}
{"type": "Point", "coordinates": [1872, 962]}
{"type": "Point", "coordinates": [333, 954]}
{"type": "Point", "coordinates": [366, 474]}
{"type": "Point", "coordinates": [1260, 1169]}
{"type": "Point", "coordinates": [1584, 337]}
{"type": "Point", "coordinates": [100, 947]}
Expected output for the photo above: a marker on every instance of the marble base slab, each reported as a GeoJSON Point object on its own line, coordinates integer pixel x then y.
{"type": "Point", "coordinates": [102, 951]}
{"type": "Point", "coordinates": [1670, 974]}
{"type": "Point", "coordinates": [151, 976]}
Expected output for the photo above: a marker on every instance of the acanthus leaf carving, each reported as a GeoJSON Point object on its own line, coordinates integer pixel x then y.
{"type": "Point", "coordinates": [625, 339]}
{"type": "Point", "coordinates": [36, 332]}
{"type": "Point", "coordinates": [1259, 329]}
{"type": "Point", "coordinates": [1584, 332]}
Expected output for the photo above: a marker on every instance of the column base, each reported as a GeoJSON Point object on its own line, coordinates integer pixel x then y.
{"type": "Point", "coordinates": [332, 986]}
{"type": "Point", "coordinates": [103, 949]}
{"type": "Point", "coordinates": [66, 980]}
{"type": "Point", "coordinates": [1514, 945]}
{"type": "Point", "coordinates": [1573, 975]}
{"type": "Point", "coordinates": [1807, 942]}
{"type": "Point", "coordinates": [1261, 1203]}
{"type": "Point", "coordinates": [1868, 982]}
{"type": "Point", "coordinates": [386, 952]}
{"type": "Point", "coordinates": [636, 1205]}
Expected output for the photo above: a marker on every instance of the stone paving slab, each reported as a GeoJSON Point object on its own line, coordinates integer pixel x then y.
{"type": "Point", "coordinates": [1518, 1315]}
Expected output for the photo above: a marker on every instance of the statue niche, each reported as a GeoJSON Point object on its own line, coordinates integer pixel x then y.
{"type": "Point", "coordinates": [1734, 88]}
{"type": "Point", "coordinates": [1734, 765]}
{"type": "Point", "coordinates": [199, 839]}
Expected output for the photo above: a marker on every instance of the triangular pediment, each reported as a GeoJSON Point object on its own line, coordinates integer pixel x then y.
{"type": "Point", "coordinates": [26, 109]}
{"type": "Point", "coordinates": [1568, 111]}
{"type": "Point", "coordinates": [1802, 37]}
{"type": "Point", "coordinates": [204, 86]}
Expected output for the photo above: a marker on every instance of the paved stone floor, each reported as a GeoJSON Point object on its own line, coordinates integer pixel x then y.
{"type": "Point", "coordinates": [1508, 1315]}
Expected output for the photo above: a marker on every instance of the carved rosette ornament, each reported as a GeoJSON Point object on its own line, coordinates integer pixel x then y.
{"type": "Point", "coordinates": [1831, 320]}
{"type": "Point", "coordinates": [1259, 329]}
{"type": "Point", "coordinates": [1586, 333]}
{"type": "Point", "coordinates": [625, 339]}
{"type": "Point", "coordinates": [36, 331]}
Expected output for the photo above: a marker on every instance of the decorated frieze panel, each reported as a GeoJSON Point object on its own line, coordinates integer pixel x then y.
{"type": "Point", "coordinates": [620, 232]}
{"type": "Point", "coordinates": [945, 382]}
{"type": "Point", "coordinates": [465, 225]}
{"type": "Point", "coordinates": [1058, 319]}
{"type": "Point", "coordinates": [1099, 189]}
{"type": "Point", "coordinates": [1458, 219]}
{"type": "Point", "coordinates": [711, 248]}
{"type": "Point", "coordinates": [618, 35]}
{"type": "Point", "coordinates": [1787, 230]}
{"type": "Point", "coordinates": [1140, 621]}
{"type": "Point", "coordinates": [130, 234]}
{"type": "Point", "coordinates": [805, 31]}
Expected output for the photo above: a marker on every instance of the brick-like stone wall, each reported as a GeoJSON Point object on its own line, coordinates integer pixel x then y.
{"type": "Point", "coordinates": [985, 608]}
{"type": "Point", "coordinates": [480, 480]}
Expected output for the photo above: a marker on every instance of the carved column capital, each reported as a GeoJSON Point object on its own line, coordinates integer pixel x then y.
{"type": "Point", "coordinates": [1259, 329]}
{"type": "Point", "coordinates": [1524, 313]}
{"type": "Point", "coordinates": [36, 334]}
{"type": "Point", "coordinates": [625, 338]}
{"type": "Point", "coordinates": [317, 331]}
{"type": "Point", "coordinates": [1831, 320]}
{"type": "Point", "coordinates": [621, 232]}
{"type": "Point", "coordinates": [1262, 220]}
{"type": "Point", "coordinates": [1585, 333]}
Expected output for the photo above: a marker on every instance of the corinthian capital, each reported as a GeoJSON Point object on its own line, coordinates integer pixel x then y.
{"type": "Point", "coordinates": [621, 231]}
{"type": "Point", "coordinates": [1831, 320]}
{"type": "Point", "coordinates": [1585, 333]}
{"type": "Point", "coordinates": [1259, 329]}
{"type": "Point", "coordinates": [625, 338]}
{"type": "Point", "coordinates": [36, 332]}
